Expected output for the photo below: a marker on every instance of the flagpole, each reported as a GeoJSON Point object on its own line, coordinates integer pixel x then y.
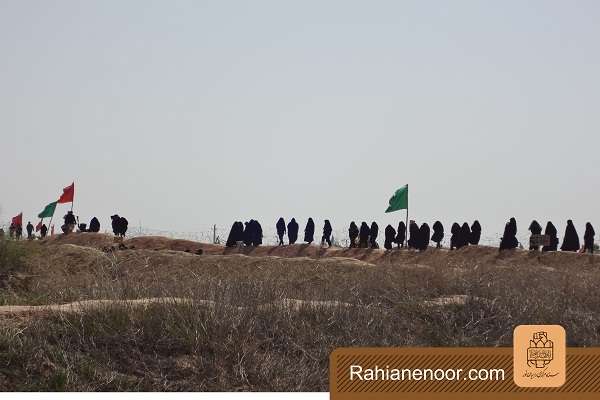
{"type": "Point", "coordinates": [406, 227]}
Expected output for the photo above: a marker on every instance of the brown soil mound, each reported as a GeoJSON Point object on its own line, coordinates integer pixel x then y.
{"type": "Point", "coordinates": [483, 255]}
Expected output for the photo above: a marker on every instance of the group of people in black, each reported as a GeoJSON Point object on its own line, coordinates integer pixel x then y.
{"type": "Point", "coordinates": [251, 233]}
{"type": "Point", "coordinates": [550, 239]}
{"type": "Point", "coordinates": [365, 236]}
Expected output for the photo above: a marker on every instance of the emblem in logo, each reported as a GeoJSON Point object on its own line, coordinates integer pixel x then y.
{"type": "Point", "coordinates": [540, 351]}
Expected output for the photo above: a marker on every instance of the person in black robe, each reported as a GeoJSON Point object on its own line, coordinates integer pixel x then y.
{"type": "Point", "coordinates": [280, 226]}
{"type": "Point", "coordinates": [248, 232]}
{"type": "Point", "coordinates": [475, 233]}
{"type": "Point", "coordinates": [373, 237]}
{"type": "Point", "coordinates": [414, 238]}
{"type": "Point", "coordinates": [438, 234]}
{"type": "Point", "coordinates": [401, 234]}
{"type": "Point", "coordinates": [309, 231]}
{"type": "Point", "coordinates": [353, 234]}
{"type": "Point", "coordinates": [236, 234]}
{"type": "Point", "coordinates": [292, 230]}
{"type": "Point", "coordinates": [390, 237]}
{"type": "Point", "coordinates": [465, 234]}
{"type": "Point", "coordinates": [551, 232]}
{"type": "Point", "coordinates": [363, 235]}
{"type": "Point", "coordinates": [424, 234]}
{"type": "Point", "coordinates": [94, 225]}
{"type": "Point", "coordinates": [43, 231]}
{"type": "Point", "coordinates": [571, 240]}
{"type": "Point", "coordinates": [588, 238]}
{"type": "Point", "coordinates": [536, 229]}
{"type": "Point", "coordinates": [455, 237]}
{"type": "Point", "coordinates": [326, 233]}
{"type": "Point", "coordinates": [115, 224]}
{"type": "Point", "coordinates": [29, 229]}
{"type": "Point", "coordinates": [509, 238]}
{"type": "Point", "coordinates": [257, 234]}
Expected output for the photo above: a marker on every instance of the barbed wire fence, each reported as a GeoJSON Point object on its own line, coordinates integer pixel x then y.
{"type": "Point", "coordinates": [218, 235]}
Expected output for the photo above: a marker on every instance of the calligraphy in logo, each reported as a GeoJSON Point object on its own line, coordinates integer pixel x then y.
{"type": "Point", "coordinates": [541, 350]}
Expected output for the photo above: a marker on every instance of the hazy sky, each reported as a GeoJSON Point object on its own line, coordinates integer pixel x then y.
{"type": "Point", "coordinates": [181, 114]}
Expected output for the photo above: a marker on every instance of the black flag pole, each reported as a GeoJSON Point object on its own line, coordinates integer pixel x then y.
{"type": "Point", "coordinates": [406, 227]}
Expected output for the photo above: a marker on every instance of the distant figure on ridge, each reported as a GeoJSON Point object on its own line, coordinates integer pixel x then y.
{"type": "Point", "coordinates": [475, 233]}
{"type": "Point", "coordinates": [236, 234]}
{"type": "Point", "coordinates": [438, 234]}
{"type": "Point", "coordinates": [326, 233]}
{"type": "Point", "coordinates": [29, 228]}
{"type": "Point", "coordinates": [588, 238]}
{"type": "Point", "coordinates": [257, 233]}
{"type": "Point", "coordinates": [551, 232]}
{"type": "Point", "coordinates": [509, 238]}
{"type": "Point", "coordinates": [292, 229]}
{"type": "Point", "coordinates": [18, 231]}
{"type": "Point", "coordinates": [309, 231]}
{"type": "Point", "coordinates": [414, 238]}
{"type": "Point", "coordinates": [247, 233]}
{"type": "Point", "coordinates": [119, 225]}
{"type": "Point", "coordinates": [70, 222]}
{"type": "Point", "coordinates": [373, 236]}
{"type": "Point", "coordinates": [571, 240]}
{"type": "Point", "coordinates": [424, 235]}
{"type": "Point", "coordinates": [465, 234]}
{"type": "Point", "coordinates": [94, 225]}
{"type": "Point", "coordinates": [353, 234]}
{"type": "Point", "coordinates": [455, 237]}
{"type": "Point", "coordinates": [280, 226]}
{"type": "Point", "coordinates": [536, 229]}
{"type": "Point", "coordinates": [390, 237]}
{"type": "Point", "coordinates": [401, 234]}
{"type": "Point", "coordinates": [43, 231]}
{"type": "Point", "coordinates": [363, 235]}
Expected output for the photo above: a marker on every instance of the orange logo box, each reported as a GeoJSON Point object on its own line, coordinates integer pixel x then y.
{"type": "Point", "coordinates": [540, 356]}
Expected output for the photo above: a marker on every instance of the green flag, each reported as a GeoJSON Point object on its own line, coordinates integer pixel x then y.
{"type": "Point", "coordinates": [48, 211]}
{"type": "Point", "coordinates": [399, 200]}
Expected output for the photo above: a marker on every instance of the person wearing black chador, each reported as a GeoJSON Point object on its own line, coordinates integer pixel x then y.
{"type": "Point", "coordinates": [551, 232]}
{"type": "Point", "coordinates": [588, 238]}
{"type": "Point", "coordinates": [326, 233]}
{"type": "Point", "coordinates": [571, 240]}
{"type": "Point", "coordinates": [309, 231]}
{"type": "Point", "coordinates": [257, 234]}
{"type": "Point", "coordinates": [415, 235]}
{"type": "Point", "coordinates": [235, 234]}
{"type": "Point", "coordinates": [280, 226]}
{"type": "Point", "coordinates": [465, 234]}
{"type": "Point", "coordinates": [401, 234]}
{"type": "Point", "coordinates": [475, 233]}
{"type": "Point", "coordinates": [248, 233]}
{"type": "Point", "coordinates": [438, 234]}
{"type": "Point", "coordinates": [509, 238]}
{"type": "Point", "coordinates": [390, 237]}
{"type": "Point", "coordinates": [455, 238]}
{"type": "Point", "coordinates": [363, 235]}
{"type": "Point", "coordinates": [424, 233]}
{"type": "Point", "coordinates": [374, 232]}
{"type": "Point", "coordinates": [353, 234]}
{"type": "Point", "coordinates": [94, 225]}
{"type": "Point", "coordinates": [536, 229]}
{"type": "Point", "coordinates": [292, 229]}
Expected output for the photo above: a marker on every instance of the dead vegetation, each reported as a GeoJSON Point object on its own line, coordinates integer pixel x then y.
{"type": "Point", "coordinates": [265, 318]}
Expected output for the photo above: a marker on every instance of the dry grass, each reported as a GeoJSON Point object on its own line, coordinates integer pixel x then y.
{"type": "Point", "coordinates": [250, 322]}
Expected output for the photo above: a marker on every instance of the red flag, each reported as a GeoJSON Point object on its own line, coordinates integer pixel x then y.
{"type": "Point", "coordinates": [38, 227]}
{"type": "Point", "coordinates": [68, 194]}
{"type": "Point", "coordinates": [18, 220]}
